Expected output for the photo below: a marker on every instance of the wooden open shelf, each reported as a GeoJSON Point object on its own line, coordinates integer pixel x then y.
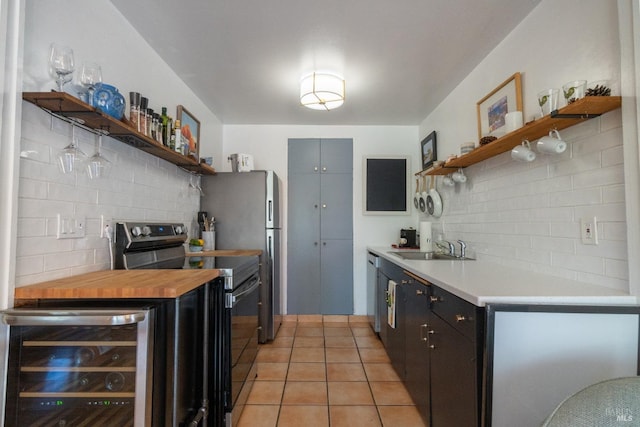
{"type": "Point", "coordinates": [577, 112]}
{"type": "Point", "coordinates": [65, 105]}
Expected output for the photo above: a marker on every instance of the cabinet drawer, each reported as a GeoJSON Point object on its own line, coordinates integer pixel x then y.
{"type": "Point", "coordinates": [459, 313]}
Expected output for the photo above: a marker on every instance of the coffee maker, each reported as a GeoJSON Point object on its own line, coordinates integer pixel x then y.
{"type": "Point", "coordinates": [408, 238]}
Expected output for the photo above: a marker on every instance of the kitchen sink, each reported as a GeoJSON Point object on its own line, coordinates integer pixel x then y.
{"type": "Point", "coordinates": [427, 256]}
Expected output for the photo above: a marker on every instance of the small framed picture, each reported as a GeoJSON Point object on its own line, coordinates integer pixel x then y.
{"type": "Point", "coordinates": [493, 108]}
{"type": "Point", "coordinates": [428, 150]}
{"type": "Point", "coordinates": [190, 132]}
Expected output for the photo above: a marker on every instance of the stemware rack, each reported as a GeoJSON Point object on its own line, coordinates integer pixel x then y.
{"type": "Point", "coordinates": [574, 113]}
{"type": "Point", "coordinates": [69, 108]}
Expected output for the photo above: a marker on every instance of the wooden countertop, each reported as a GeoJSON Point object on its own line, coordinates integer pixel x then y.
{"type": "Point", "coordinates": [119, 284]}
{"type": "Point", "coordinates": [227, 252]}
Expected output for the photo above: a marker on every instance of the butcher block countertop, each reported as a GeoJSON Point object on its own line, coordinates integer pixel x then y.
{"type": "Point", "coordinates": [227, 252]}
{"type": "Point", "coordinates": [113, 284]}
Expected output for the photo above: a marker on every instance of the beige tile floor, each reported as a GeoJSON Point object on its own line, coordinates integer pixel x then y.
{"type": "Point", "coordinates": [322, 372]}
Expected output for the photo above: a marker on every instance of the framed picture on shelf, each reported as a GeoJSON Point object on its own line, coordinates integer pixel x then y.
{"type": "Point", "coordinates": [493, 108]}
{"type": "Point", "coordinates": [428, 150]}
{"type": "Point", "coordinates": [190, 131]}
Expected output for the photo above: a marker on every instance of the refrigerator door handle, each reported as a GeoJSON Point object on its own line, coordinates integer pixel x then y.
{"type": "Point", "coordinates": [270, 211]}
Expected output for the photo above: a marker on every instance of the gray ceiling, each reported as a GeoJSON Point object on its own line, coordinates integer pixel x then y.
{"type": "Point", "coordinates": [400, 58]}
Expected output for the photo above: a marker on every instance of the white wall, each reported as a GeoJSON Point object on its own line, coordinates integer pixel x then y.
{"type": "Point", "coordinates": [141, 186]}
{"type": "Point", "coordinates": [528, 215]}
{"type": "Point", "coordinates": [268, 145]}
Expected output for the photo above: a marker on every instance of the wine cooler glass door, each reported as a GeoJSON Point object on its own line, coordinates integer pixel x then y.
{"type": "Point", "coordinates": [77, 368]}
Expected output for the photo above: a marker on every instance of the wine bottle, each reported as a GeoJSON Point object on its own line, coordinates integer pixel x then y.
{"type": "Point", "coordinates": [164, 122]}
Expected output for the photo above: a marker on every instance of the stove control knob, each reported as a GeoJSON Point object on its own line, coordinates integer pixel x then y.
{"type": "Point", "coordinates": [178, 229]}
{"type": "Point", "coordinates": [136, 231]}
{"type": "Point", "coordinates": [146, 230]}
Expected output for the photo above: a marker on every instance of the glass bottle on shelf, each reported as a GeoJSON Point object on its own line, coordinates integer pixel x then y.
{"type": "Point", "coordinates": [143, 115]}
{"type": "Point", "coordinates": [149, 122]}
{"type": "Point", "coordinates": [134, 110]}
{"type": "Point", "coordinates": [177, 136]}
{"type": "Point", "coordinates": [164, 121]}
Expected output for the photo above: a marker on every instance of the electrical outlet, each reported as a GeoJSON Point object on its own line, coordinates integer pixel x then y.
{"type": "Point", "coordinates": [589, 231]}
{"type": "Point", "coordinates": [71, 227]}
{"type": "Point", "coordinates": [105, 221]}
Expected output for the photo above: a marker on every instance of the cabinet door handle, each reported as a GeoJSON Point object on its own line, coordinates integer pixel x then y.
{"type": "Point", "coordinates": [419, 292]}
{"type": "Point", "coordinates": [460, 318]}
{"type": "Point", "coordinates": [315, 169]}
{"type": "Point", "coordinates": [324, 169]}
{"type": "Point", "coordinates": [433, 299]}
{"type": "Point", "coordinates": [423, 337]}
{"type": "Point", "coordinates": [315, 243]}
{"type": "Point", "coordinates": [324, 206]}
{"type": "Point", "coordinates": [432, 347]}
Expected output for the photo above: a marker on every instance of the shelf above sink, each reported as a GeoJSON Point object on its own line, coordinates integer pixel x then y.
{"type": "Point", "coordinates": [577, 112]}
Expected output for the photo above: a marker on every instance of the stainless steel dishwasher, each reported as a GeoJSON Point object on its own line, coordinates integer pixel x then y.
{"type": "Point", "coordinates": [373, 262]}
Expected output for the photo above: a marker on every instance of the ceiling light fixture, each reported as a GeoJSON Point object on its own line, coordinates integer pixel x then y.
{"type": "Point", "coordinates": [322, 91]}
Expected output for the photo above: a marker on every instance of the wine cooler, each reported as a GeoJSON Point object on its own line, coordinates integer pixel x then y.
{"type": "Point", "coordinates": [79, 368]}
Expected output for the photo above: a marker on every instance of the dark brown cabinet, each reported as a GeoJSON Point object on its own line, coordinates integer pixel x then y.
{"type": "Point", "coordinates": [436, 347]}
{"type": "Point", "coordinates": [416, 349]}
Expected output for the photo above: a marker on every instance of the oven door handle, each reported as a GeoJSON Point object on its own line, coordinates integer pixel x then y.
{"type": "Point", "coordinates": [233, 298]}
{"type": "Point", "coordinates": [19, 317]}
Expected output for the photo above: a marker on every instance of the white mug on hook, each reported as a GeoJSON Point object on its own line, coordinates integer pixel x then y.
{"type": "Point", "coordinates": [523, 152]}
{"type": "Point", "coordinates": [552, 144]}
{"type": "Point", "coordinates": [459, 176]}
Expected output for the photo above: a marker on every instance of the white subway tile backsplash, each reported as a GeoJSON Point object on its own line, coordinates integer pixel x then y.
{"type": "Point", "coordinates": [29, 265]}
{"type": "Point", "coordinates": [602, 280]}
{"type": "Point", "coordinates": [612, 212]}
{"type": "Point", "coordinates": [31, 227]}
{"type": "Point", "coordinates": [553, 244]}
{"type": "Point", "coordinates": [606, 176]}
{"type": "Point", "coordinates": [610, 249]}
{"type": "Point", "coordinates": [576, 165]}
{"type": "Point", "coordinates": [529, 214]}
{"type": "Point", "coordinates": [614, 231]}
{"type": "Point", "coordinates": [587, 196]}
{"type": "Point", "coordinates": [611, 120]}
{"type": "Point", "coordinates": [589, 264]}
{"type": "Point", "coordinates": [613, 194]}
{"type": "Point", "coordinates": [567, 229]}
{"type": "Point", "coordinates": [140, 187]}
{"type": "Point", "coordinates": [581, 130]}
{"type": "Point", "coordinates": [68, 259]}
{"type": "Point", "coordinates": [613, 156]}
{"type": "Point", "coordinates": [616, 268]}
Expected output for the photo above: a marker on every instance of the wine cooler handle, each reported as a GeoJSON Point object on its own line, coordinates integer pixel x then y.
{"type": "Point", "coordinates": [19, 317]}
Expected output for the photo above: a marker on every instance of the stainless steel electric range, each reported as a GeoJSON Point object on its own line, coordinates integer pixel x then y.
{"type": "Point", "coordinates": [234, 336]}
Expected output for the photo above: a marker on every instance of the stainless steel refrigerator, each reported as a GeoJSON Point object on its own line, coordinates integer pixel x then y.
{"type": "Point", "coordinates": [246, 208]}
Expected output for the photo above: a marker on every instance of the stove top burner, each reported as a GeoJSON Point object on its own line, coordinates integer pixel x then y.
{"type": "Point", "coordinates": [161, 246]}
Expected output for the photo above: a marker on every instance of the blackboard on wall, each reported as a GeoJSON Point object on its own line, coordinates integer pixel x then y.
{"type": "Point", "coordinates": [386, 185]}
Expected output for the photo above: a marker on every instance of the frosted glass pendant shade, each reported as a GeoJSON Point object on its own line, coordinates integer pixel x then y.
{"type": "Point", "coordinates": [322, 91]}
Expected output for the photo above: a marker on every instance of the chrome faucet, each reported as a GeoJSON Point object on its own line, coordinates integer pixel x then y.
{"type": "Point", "coordinates": [463, 248]}
{"type": "Point", "coordinates": [449, 246]}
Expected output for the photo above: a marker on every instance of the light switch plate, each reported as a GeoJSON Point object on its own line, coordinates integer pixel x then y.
{"type": "Point", "coordinates": [71, 227]}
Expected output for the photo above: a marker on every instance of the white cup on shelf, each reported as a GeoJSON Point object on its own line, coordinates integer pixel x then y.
{"type": "Point", "coordinates": [523, 152]}
{"type": "Point", "coordinates": [551, 144]}
{"type": "Point", "coordinates": [513, 121]}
